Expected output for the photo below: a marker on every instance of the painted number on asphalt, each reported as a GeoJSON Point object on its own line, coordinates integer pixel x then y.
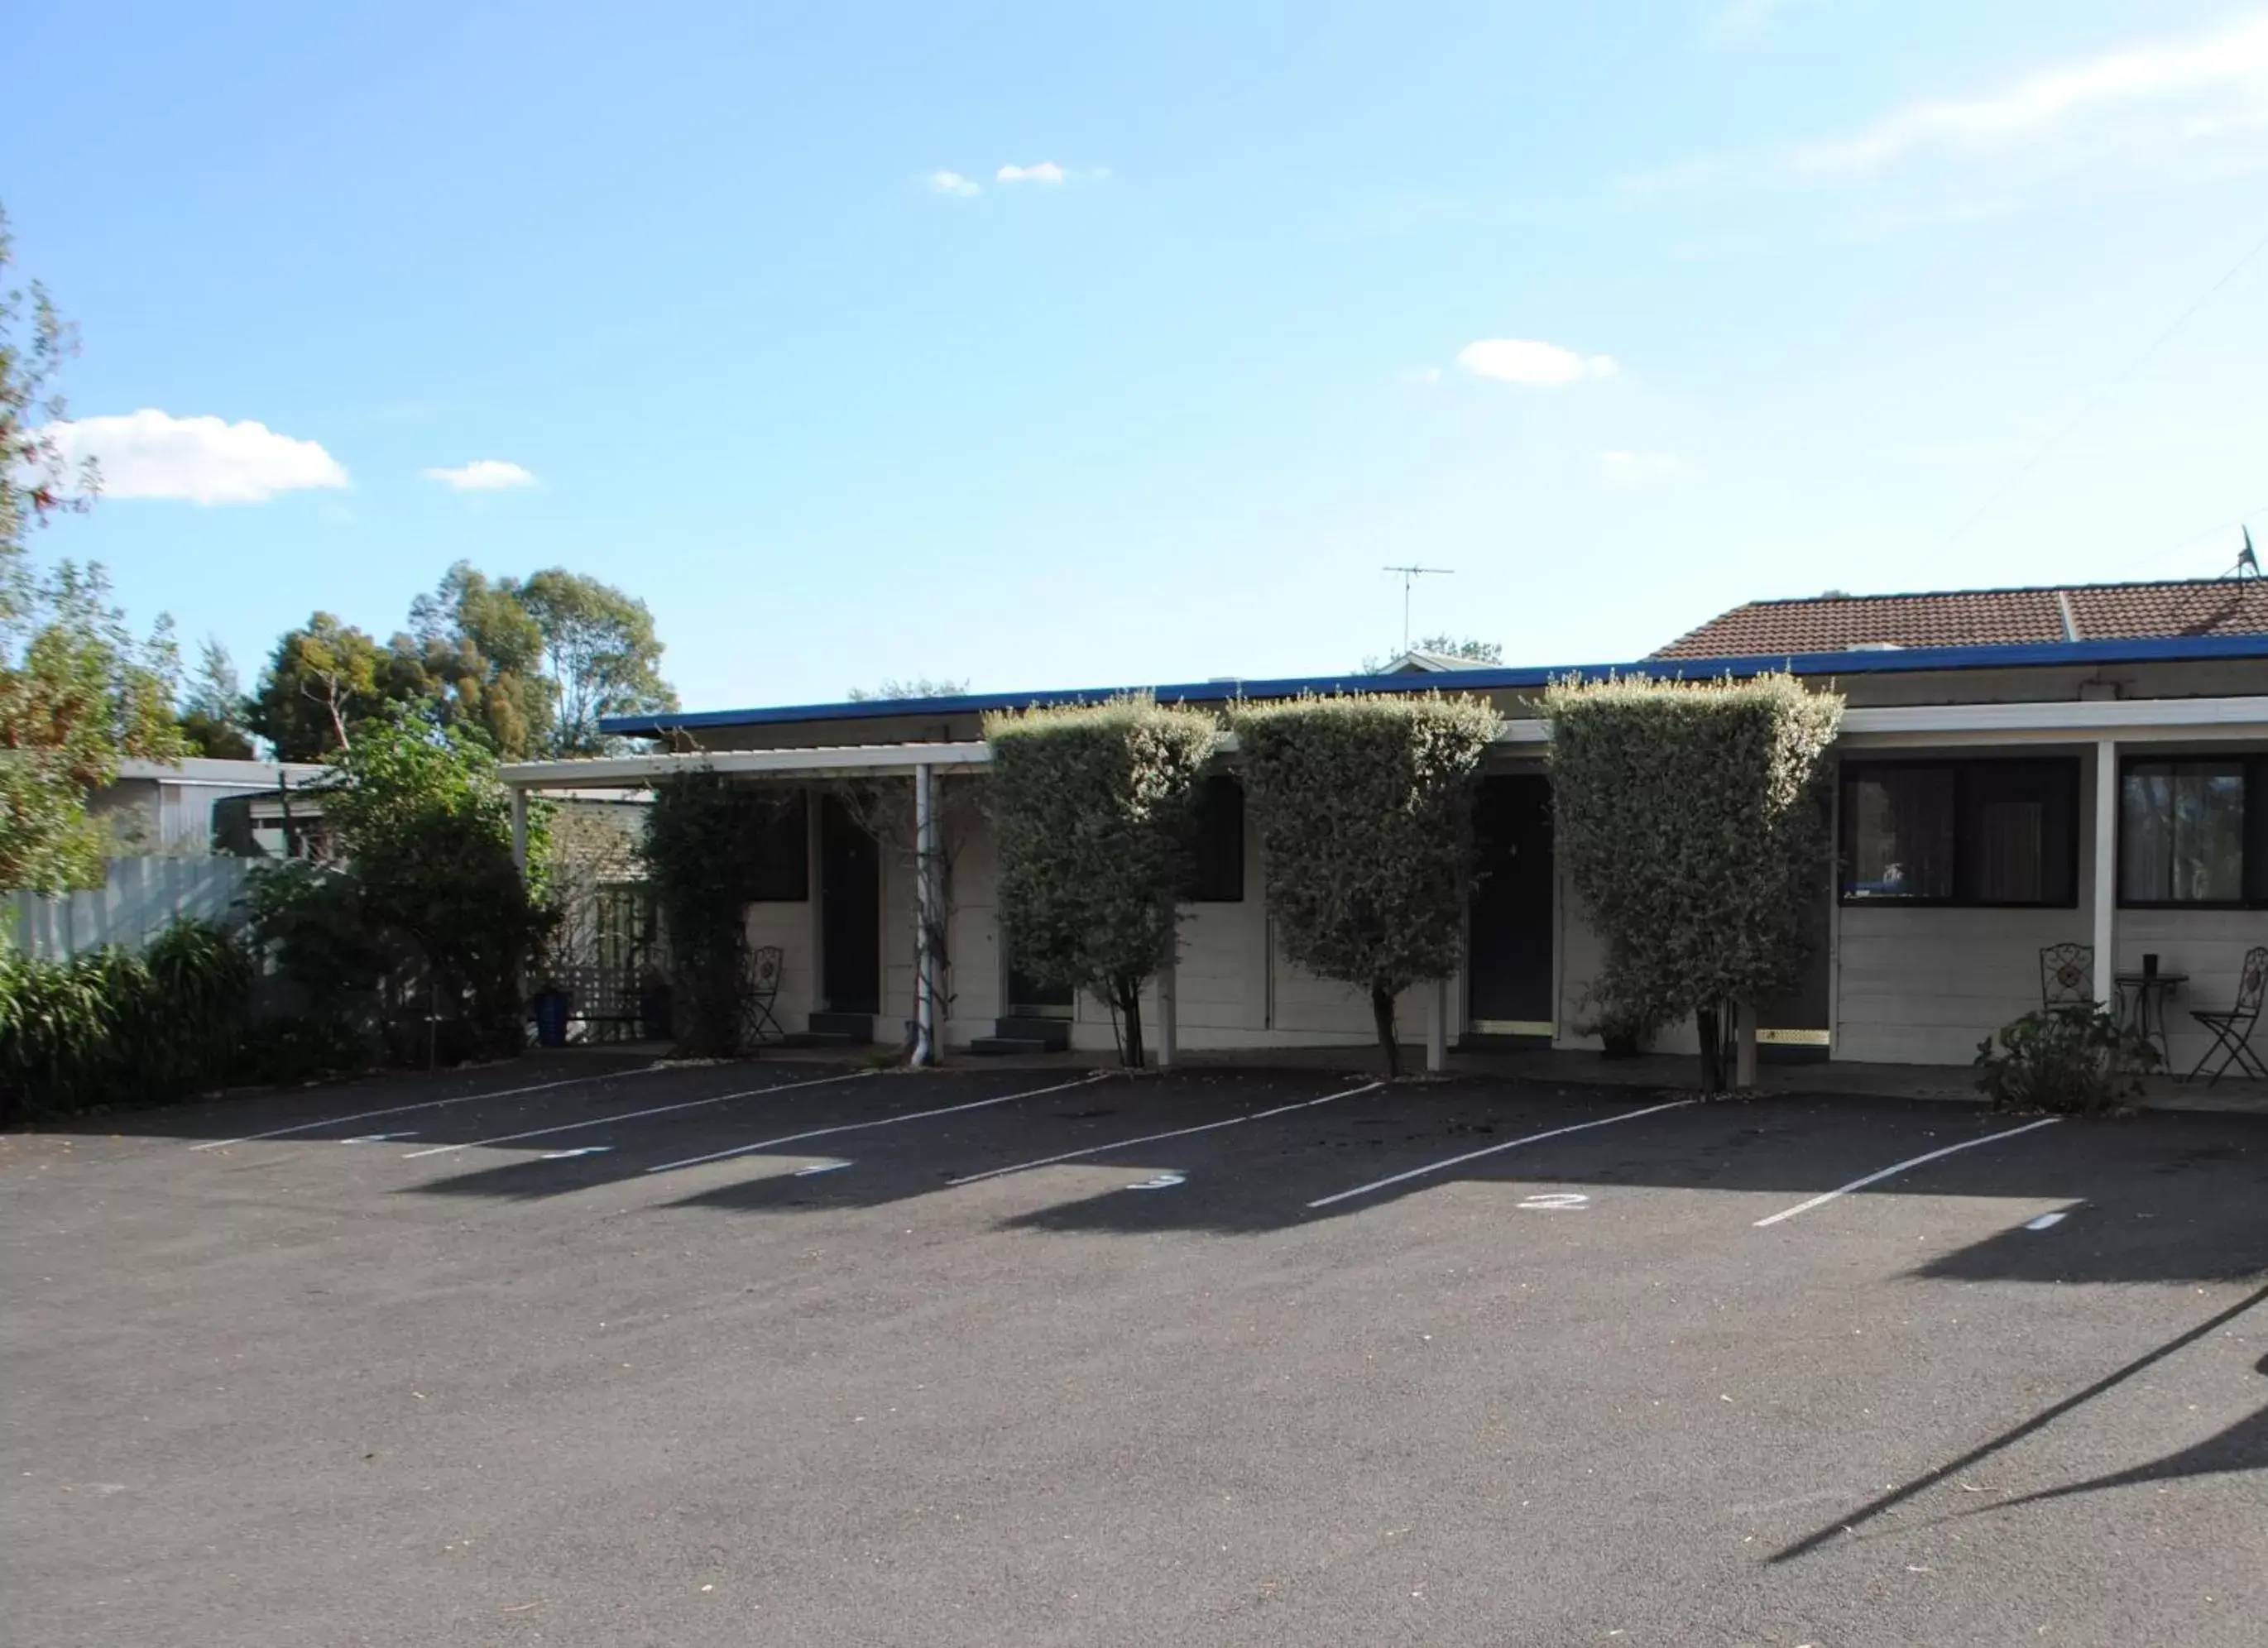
{"type": "Point", "coordinates": [1555, 1201]}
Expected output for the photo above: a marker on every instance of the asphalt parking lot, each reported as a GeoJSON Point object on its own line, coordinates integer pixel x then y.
{"type": "Point", "coordinates": [788, 1353]}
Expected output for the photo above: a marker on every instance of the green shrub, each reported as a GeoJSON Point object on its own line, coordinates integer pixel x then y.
{"type": "Point", "coordinates": [111, 1027]}
{"type": "Point", "coordinates": [2076, 1060]}
{"type": "Point", "coordinates": [1364, 808]}
{"type": "Point", "coordinates": [1092, 806]}
{"type": "Point", "coordinates": [700, 853]}
{"type": "Point", "coordinates": [1691, 819]}
{"type": "Point", "coordinates": [425, 825]}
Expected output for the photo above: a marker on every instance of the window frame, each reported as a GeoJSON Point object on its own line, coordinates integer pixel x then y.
{"type": "Point", "coordinates": [1961, 767]}
{"type": "Point", "coordinates": [2252, 830]}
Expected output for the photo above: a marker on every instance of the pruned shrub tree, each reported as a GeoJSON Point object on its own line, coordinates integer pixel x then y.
{"type": "Point", "coordinates": [1092, 806]}
{"type": "Point", "coordinates": [700, 853]}
{"type": "Point", "coordinates": [424, 823]}
{"type": "Point", "coordinates": [1364, 808]}
{"type": "Point", "coordinates": [1692, 820]}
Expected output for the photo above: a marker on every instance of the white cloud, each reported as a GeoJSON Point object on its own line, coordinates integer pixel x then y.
{"type": "Point", "coordinates": [1527, 360]}
{"type": "Point", "coordinates": [952, 183]}
{"type": "Point", "coordinates": [153, 454]}
{"type": "Point", "coordinates": [482, 475]}
{"type": "Point", "coordinates": [1045, 172]}
{"type": "Point", "coordinates": [1646, 469]}
{"type": "Point", "coordinates": [2139, 99]}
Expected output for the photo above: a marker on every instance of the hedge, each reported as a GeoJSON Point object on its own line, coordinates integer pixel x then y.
{"type": "Point", "coordinates": [1364, 807]}
{"type": "Point", "coordinates": [1092, 808]}
{"type": "Point", "coordinates": [1692, 822]}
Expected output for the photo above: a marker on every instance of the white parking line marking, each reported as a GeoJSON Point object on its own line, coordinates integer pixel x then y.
{"type": "Point", "coordinates": [580, 1150]}
{"type": "Point", "coordinates": [821, 1167]}
{"type": "Point", "coordinates": [1555, 1201]}
{"type": "Point", "coordinates": [429, 1104]}
{"type": "Point", "coordinates": [1458, 1161]}
{"type": "Point", "coordinates": [2047, 1221]}
{"type": "Point", "coordinates": [853, 1126]}
{"type": "Point", "coordinates": [1163, 1182]}
{"type": "Point", "coordinates": [1892, 1172]}
{"type": "Point", "coordinates": [380, 1138]}
{"type": "Point", "coordinates": [632, 1115]}
{"type": "Point", "coordinates": [1152, 1139]}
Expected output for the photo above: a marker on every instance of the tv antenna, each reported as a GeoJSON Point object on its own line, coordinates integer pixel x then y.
{"type": "Point", "coordinates": [1410, 575]}
{"type": "Point", "coordinates": [2248, 564]}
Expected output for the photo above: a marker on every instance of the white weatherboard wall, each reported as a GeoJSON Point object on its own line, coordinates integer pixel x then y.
{"type": "Point", "coordinates": [973, 976]}
{"type": "Point", "coordinates": [2209, 945]}
{"type": "Point", "coordinates": [138, 899]}
{"type": "Point", "coordinates": [787, 924]}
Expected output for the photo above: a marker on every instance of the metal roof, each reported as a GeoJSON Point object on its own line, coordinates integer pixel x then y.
{"type": "Point", "coordinates": [2163, 649]}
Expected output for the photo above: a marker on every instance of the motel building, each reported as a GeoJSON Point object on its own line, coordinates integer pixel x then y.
{"type": "Point", "coordinates": [2018, 769]}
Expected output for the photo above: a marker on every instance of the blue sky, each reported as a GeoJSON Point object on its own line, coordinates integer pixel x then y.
{"type": "Point", "coordinates": [1624, 314]}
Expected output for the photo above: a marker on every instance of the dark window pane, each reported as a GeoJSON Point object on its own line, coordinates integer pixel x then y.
{"type": "Point", "coordinates": [2018, 829]}
{"type": "Point", "coordinates": [1217, 855]}
{"type": "Point", "coordinates": [782, 845]}
{"type": "Point", "coordinates": [2182, 833]}
{"type": "Point", "coordinates": [1898, 833]}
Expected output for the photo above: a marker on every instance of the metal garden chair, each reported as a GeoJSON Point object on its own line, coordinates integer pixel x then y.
{"type": "Point", "coordinates": [2232, 1030]}
{"type": "Point", "coordinates": [760, 989]}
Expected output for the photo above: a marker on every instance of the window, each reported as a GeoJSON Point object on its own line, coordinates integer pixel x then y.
{"type": "Point", "coordinates": [2193, 832]}
{"type": "Point", "coordinates": [1969, 832]}
{"type": "Point", "coordinates": [781, 841]}
{"type": "Point", "coordinates": [1217, 844]}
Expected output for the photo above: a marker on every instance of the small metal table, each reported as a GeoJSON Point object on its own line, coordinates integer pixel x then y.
{"type": "Point", "coordinates": [2142, 1006]}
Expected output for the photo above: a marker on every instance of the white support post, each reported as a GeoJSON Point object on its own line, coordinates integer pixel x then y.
{"type": "Point", "coordinates": [2104, 889]}
{"type": "Point", "coordinates": [925, 982]}
{"type": "Point", "coordinates": [1168, 1022]}
{"type": "Point", "coordinates": [1437, 1027]}
{"type": "Point", "coordinates": [519, 831]}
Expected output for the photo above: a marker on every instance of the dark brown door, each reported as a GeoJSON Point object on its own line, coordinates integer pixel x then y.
{"type": "Point", "coordinates": [1509, 970]}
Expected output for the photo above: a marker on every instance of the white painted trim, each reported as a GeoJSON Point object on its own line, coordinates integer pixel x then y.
{"type": "Point", "coordinates": [2105, 887]}
{"type": "Point", "coordinates": [640, 771]}
{"type": "Point", "coordinates": [1899, 1168]}
{"type": "Point", "coordinates": [1884, 726]}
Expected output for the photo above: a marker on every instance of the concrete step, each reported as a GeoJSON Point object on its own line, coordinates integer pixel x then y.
{"type": "Point", "coordinates": [854, 1028]}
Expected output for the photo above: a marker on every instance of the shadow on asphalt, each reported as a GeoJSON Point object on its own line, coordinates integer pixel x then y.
{"type": "Point", "coordinates": [2243, 1446]}
{"type": "Point", "coordinates": [2151, 1198]}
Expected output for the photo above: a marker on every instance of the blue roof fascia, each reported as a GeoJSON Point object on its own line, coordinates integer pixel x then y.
{"type": "Point", "coordinates": [2162, 649]}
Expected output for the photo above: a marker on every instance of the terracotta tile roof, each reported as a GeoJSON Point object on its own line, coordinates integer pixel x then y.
{"type": "Point", "coordinates": [2095, 612]}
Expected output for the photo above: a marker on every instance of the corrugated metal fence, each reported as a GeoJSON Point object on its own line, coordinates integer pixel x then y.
{"type": "Point", "coordinates": [138, 898]}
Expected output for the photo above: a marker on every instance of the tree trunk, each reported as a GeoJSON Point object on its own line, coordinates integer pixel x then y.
{"type": "Point", "coordinates": [1130, 1007]}
{"type": "Point", "coordinates": [1716, 1023]}
{"type": "Point", "coordinates": [1382, 1009]}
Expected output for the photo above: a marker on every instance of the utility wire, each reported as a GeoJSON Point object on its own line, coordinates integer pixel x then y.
{"type": "Point", "coordinates": [2095, 400]}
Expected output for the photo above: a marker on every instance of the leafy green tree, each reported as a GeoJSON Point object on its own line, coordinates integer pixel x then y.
{"type": "Point", "coordinates": [480, 650]}
{"type": "Point", "coordinates": [1364, 808]}
{"type": "Point", "coordinates": [325, 679]}
{"type": "Point", "coordinates": [213, 711]}
{"type": "Point", "coordinates": [424, 824]}
{"type": "Point", "coordinates": [1093, 807]}
{"type": "Point", "coordinates": [912, 687]}
{"type": "Point", "coordinates": [1692, 822]}
{"type": "Point", "coordinates": [1463, 647]}
{"type": "Point", "coordinates": [79, 691]}
{"type": "Point", "coordinates": [600, 655]}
